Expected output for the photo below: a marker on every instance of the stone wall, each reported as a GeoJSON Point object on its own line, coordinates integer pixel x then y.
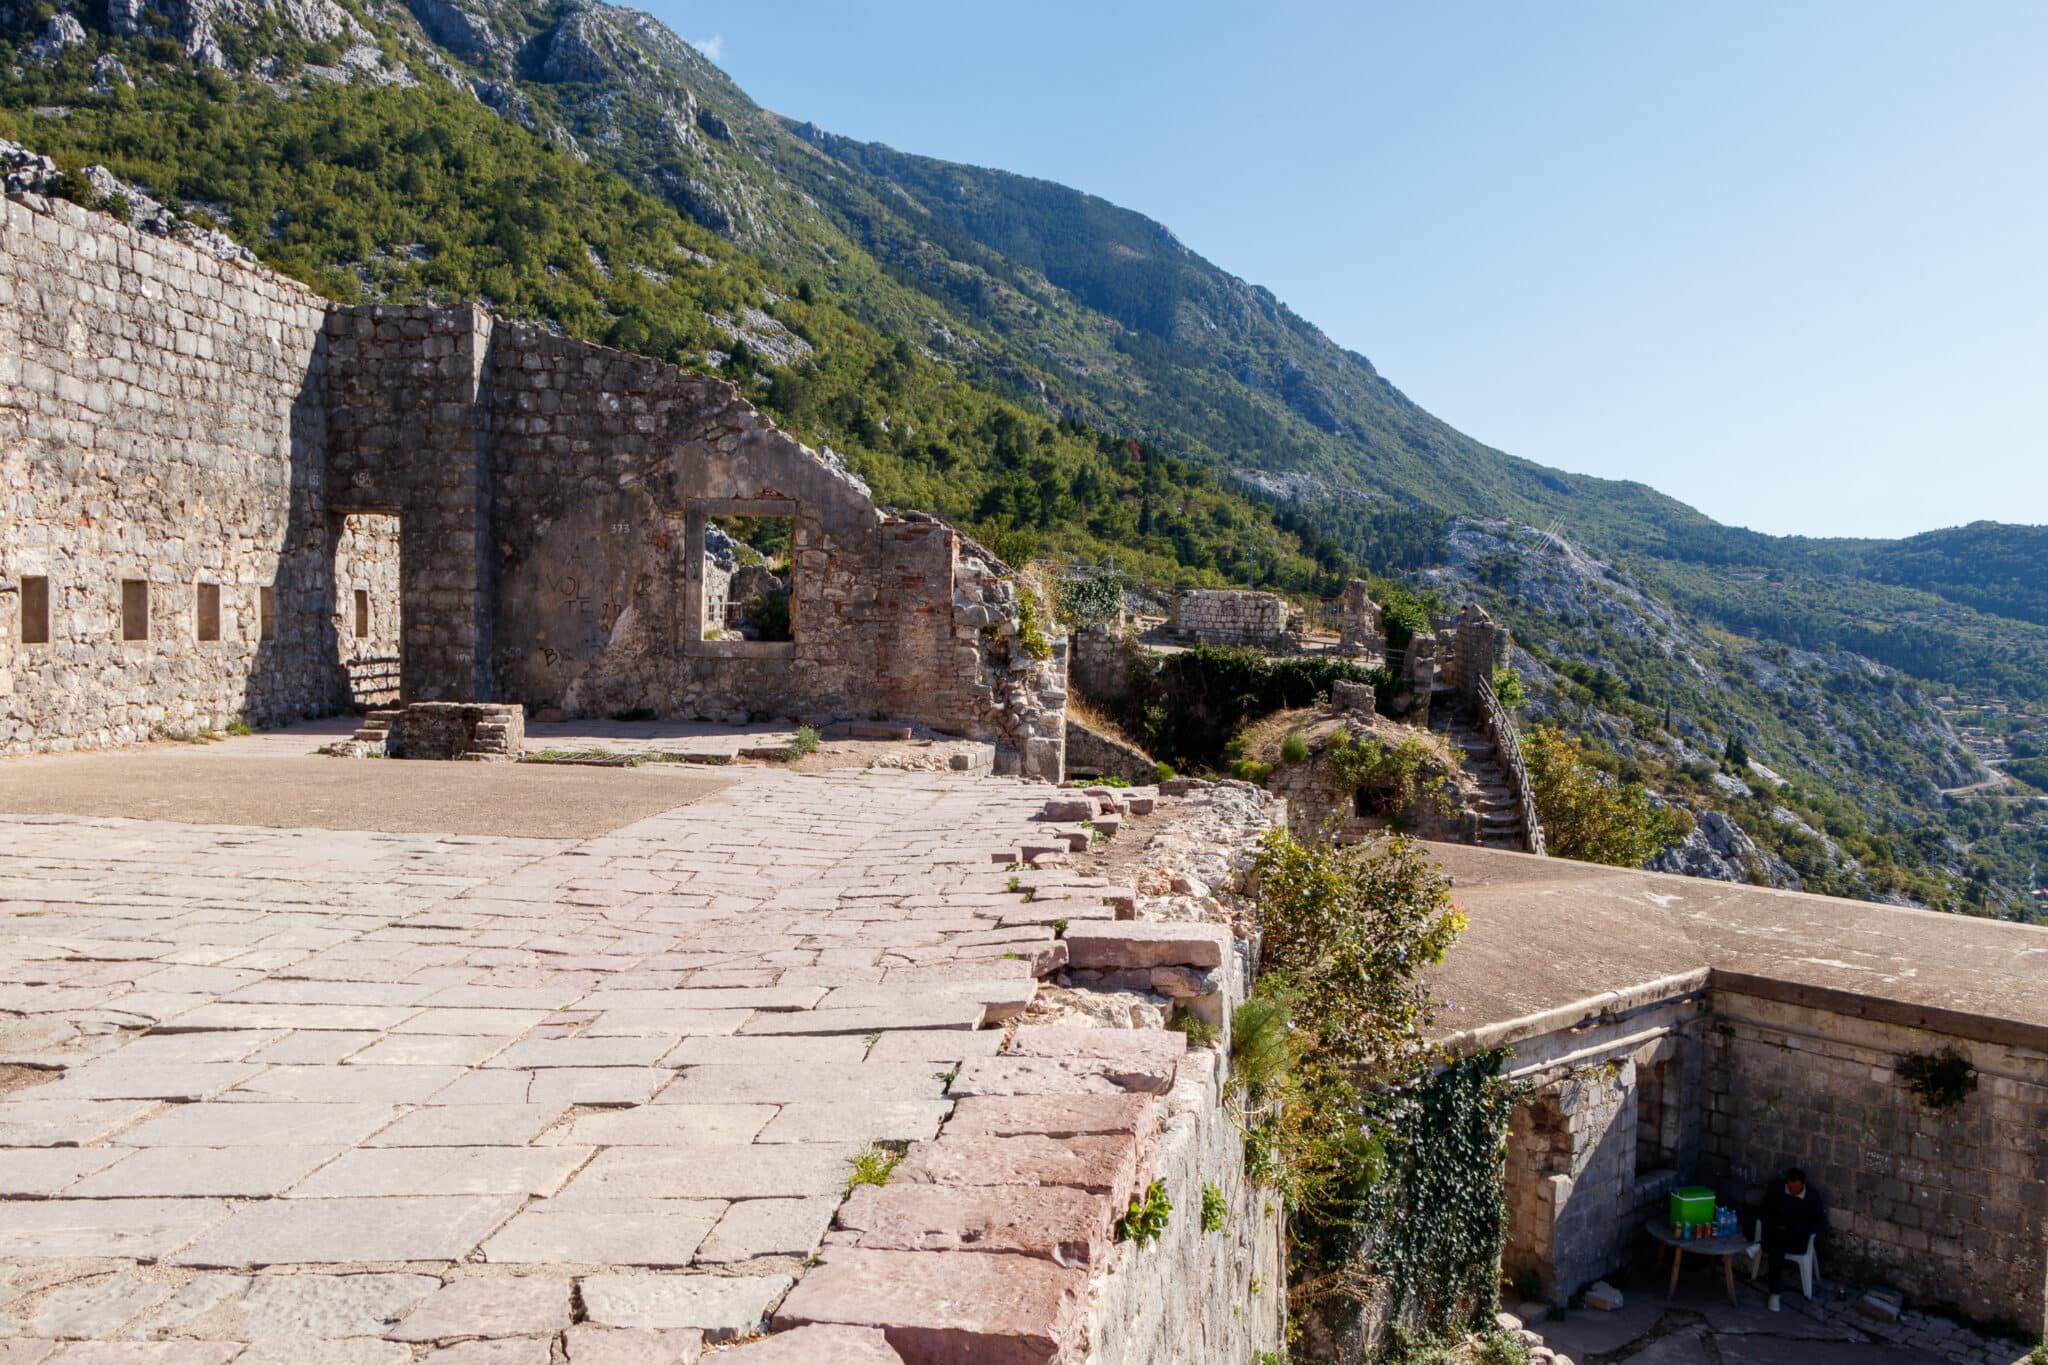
{"type": "Point", "coordinates": [1725, 1080]}
{"type": "Point", "coordinates": [1105, 662]}
{"type": "Point", "coordinates": [1235, 617]}
{"type": "Point", "coordinates": [160, 421]}
{"type": "Point", "coordinates": [192, 423]}
{"type": "Point", "coordinates": [1951, 1208]}
{"type": "Point", "coordinates": [1362, 632]}
{"type": "Point", "coordinates": [456, 729]}
{"type": "Point", "coordinates": [1092, 754]}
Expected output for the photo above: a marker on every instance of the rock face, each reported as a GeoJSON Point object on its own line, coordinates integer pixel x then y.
{"type": "Point", "coordinates": [1718, 849]}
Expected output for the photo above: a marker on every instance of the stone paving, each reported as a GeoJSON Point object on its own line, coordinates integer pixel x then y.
{"type": "Point", "coordinates": [1699, 1327]}
{"type": "Point", "coordinates": [350, 1096]}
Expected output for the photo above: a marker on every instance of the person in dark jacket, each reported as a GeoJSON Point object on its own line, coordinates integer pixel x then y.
{"type": "Point", "coordinates": [1792, 1214]}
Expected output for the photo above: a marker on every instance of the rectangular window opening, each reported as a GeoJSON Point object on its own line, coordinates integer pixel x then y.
{"type": "Point", "coordinates": [209, 611]}
{"type": "Point", "coordinates": [35, 611]}
{"type": "Point", "coordinates": [750, 578]}
{"type": "Point", "coordinates": [362, 613]}
{"type": "Point", "coordinates": [266, 613]}
{"type": "Point", "coordinates": [134, 609]}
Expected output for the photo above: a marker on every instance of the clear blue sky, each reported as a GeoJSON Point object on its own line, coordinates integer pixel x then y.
{"type": "Point", "coordinates": [1786, 262]}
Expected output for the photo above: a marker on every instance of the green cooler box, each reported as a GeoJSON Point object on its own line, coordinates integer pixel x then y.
{"type": "Point", "coordinates": [1692, 1204]}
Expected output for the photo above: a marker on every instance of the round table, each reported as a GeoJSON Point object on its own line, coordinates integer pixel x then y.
{"type": "Point", "coordinates": [1727, 1248]}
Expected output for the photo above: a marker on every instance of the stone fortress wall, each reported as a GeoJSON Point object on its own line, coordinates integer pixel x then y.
{"type": "Point", "coordinates": [209, 428]}
{"type": "Point", "coordinates": [1726, 1079]}
{"type": "Point", "coordinates": [162, 425]}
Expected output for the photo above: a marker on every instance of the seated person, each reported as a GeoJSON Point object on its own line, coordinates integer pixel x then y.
{"type": "Point", "coordinates": [1792, 1214]}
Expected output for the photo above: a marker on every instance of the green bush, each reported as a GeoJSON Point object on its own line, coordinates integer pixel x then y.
{"type": "Point", "coordinates": [1391, 777]}
{"type": "Point", "coordinates": [1190, 705]}
{"type": "Point", "coordinates": [1587, 814]}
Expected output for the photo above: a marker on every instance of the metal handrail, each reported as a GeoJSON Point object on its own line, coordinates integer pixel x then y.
{"type": "Point", "coordinates": [1507, 747]}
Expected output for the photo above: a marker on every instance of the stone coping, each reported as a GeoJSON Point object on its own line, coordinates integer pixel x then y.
{"type": "Point", "coordinates": [1551, 941]}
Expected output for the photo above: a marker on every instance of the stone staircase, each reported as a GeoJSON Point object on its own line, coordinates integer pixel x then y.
{"type": "Point", "coordinates": [376, 727]}
{"type": "Point", "coordinates": [1500, 813]}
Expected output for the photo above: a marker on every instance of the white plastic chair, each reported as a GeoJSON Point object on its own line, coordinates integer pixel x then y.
{"type": "Point", "coordinates": [1808, 1261]}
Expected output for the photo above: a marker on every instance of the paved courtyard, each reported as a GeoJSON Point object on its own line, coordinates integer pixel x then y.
{"type": "Point", "coordinates": [349, 1095]}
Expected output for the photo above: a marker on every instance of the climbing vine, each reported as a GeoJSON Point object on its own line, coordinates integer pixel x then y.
{"type": "Point", "coordinates": [1435, 1223]}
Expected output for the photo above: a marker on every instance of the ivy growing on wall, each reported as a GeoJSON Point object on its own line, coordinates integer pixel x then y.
{"type": "Point", "coordinates": [1436, 1222]}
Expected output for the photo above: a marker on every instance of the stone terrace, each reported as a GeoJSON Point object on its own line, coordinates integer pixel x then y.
{"type": "Point", "coordinates": [511, 1099]}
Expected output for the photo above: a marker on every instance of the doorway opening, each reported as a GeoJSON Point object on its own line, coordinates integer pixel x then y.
{"type": "Point", "coordinates": [368, 610]}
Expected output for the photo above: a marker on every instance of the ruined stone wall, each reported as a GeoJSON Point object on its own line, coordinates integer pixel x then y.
{"type": "Point", "coordinates": [1105, 663]}
{"type": "Point", "coordinates": [160, 421]}
{"type": "Point", "coordinates": [367, 606]}
{"type": "Point", "coordinates": [1951, 1207]}
{"type": "Point", "coordinates": [1362, 632]}
{"type": "Point", "coordinates": [203, 427]}
{"type": "Point", "coordinates": [606, 468]}
{"type": "Point", "coordinates": [1235, 617]}
{"type": "Point", "coordinates": [408, 437]}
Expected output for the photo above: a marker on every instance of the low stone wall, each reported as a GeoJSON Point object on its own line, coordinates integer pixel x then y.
{"type": "Point", "coordinates": [1197, 1294]}
{"type": "Point", "coordinates": [1104, 662]}
{"type": "Point", "coordinates": [1236, 617]}
{"type": "Point", "coordinates": [456, 729]}
{"type": "Point", "coordinates": [1093, 754]}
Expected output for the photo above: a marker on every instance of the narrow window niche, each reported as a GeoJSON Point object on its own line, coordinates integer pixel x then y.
{"type": "Point", "coordinates": [362, 613]}
{"type": "Point", "coordinates": [208, 601]}
{"type": "Point", "coordinates": [266, 613]}
{"type": "Point", "coordinates": [35, 610]}
{"type": "Point", "coordinates": [134, 609]}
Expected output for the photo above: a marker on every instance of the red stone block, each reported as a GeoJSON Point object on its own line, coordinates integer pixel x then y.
{"type": "Point", "coordinates": [949, 1308]}
{"type": "Point", "coordinates": [1064, 1225]}
{"type": "Point", "coordinates": [1056, 1116]}
{"type": "Point", "coordinates": [1101, 1164]}
{"type": "Point", "coordinates": [1146, 943]}
{"type": "Point", "coordinates": [832, 1345]}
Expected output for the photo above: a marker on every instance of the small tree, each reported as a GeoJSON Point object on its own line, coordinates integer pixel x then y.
{"type": "Point", "coordinates": [1735, 753]}
{"type": "Point", "coordinates": [1588, 815]}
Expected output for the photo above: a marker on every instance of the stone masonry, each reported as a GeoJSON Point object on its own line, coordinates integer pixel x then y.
{"type": "Point", "coordinates": [217, 433]}
{"type": "Point", "coordinates": [1262, 620]}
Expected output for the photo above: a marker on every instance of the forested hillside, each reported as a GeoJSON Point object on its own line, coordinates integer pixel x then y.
{"type": "Point", "coordinates": [1056, 373]}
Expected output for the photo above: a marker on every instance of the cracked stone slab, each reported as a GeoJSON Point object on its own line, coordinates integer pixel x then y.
{"type": "Point", "coordinates": [1058, 1116]}
{"type": "Point", "coordinates": [470, 1125]}
{"type": "Point", "coordinates": [376, 1172]}
{"type": "Point", "coordinates": [589, 1344]}
{"type": "Point", "coordinates": [92, 1310]}
{"type": "Point", "coordinates": [755, 1172]}
{"type": "Point", "coordinates": [1102, 1165]}
{"type": "Point", "coordinates": [116, 1079]}
{"type": "Point", "coordinates": [338, 1231]}
{"type": "Point", "coordinates": [185, 1172]}
{"type": "Point", "coordinates": [65, 1123]}
{"type": "Point", "coordinates": [1069, 1226]}
{"type": "Point", "coordinates": [720, 1306]}
{"type": "Point", "coordinates": [46, 1170]}
{"type": "Point", "coordinates": [134, 1229]}
{"type": "Point", "coordinates": [257, 1125]}
{"type": "Point", "coordinates": [668, 1125]}
{"type": "Point", "coordinates": [787, 1085]}
{"type": "Point", "coordinates": [810, 1345]}
{"type": "Point", "coordinates": [295, 1308]}
{"type": "Point", "coordinates": [504, 1306]}
{"type": "Point", "coordinates": [1062, 1076]}
{"type": "Point", "coordinates": [767, 1227]}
